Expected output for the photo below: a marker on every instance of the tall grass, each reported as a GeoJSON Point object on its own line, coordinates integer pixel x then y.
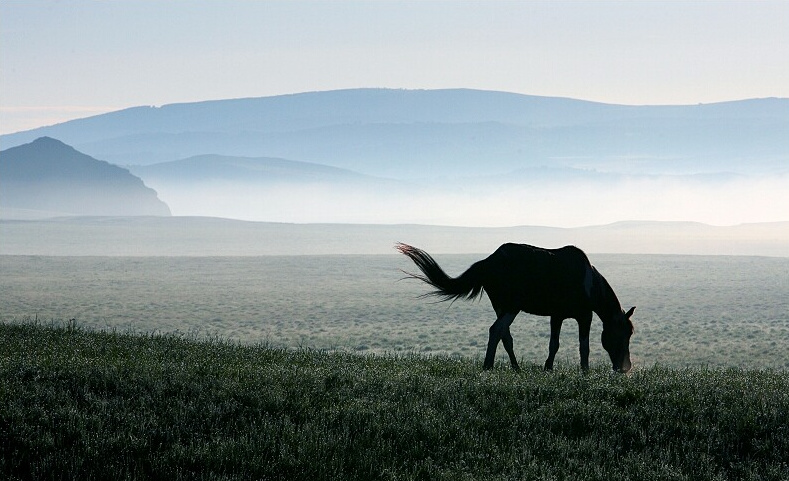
{"type": "Point", "coordinates": [76, 404]}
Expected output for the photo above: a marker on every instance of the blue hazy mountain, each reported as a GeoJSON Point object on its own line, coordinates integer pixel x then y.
{"type": "Point", "coordinates": [410, 134]}
{"type": "Point", "coordinates": [48, 177]}
{"type": "Point", "coordinates": [255, 170]}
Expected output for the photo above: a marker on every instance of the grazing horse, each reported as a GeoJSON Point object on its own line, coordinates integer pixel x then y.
{"type": "Point", "coordinates": [560, 283]}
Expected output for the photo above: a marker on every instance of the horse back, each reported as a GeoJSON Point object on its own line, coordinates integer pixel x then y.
{"type": "Point", "coordinates": [539, 281]}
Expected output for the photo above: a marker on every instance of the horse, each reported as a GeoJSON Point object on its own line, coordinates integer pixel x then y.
{"type": "Point", "coordinates": [560, 283]}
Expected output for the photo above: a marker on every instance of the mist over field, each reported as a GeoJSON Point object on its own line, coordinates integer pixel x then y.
{"type": "Point", "coordinates": [729, 200]}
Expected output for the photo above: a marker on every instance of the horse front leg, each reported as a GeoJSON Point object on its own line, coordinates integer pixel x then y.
{"type": "Point", "coordinates": [553, 346]}
{"type": "Point", "coordinates": [584, 325]}
{"type": "Point", "coordinates": [498, 330]}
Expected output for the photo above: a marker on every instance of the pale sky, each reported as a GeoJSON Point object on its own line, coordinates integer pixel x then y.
{"type": "Point", "coordinates": [68, 59]}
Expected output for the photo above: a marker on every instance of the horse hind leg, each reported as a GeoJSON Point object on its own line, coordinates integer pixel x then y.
{"type": "Point", "coordinates": [553, 346]}
{"type": "Point", "coordinates": [506, 339]}
{"type": "Point", "coordinates": [500, 330]}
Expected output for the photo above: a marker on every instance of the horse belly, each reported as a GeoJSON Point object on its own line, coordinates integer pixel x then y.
{"type": "Point", "coordinates": [561, 302]}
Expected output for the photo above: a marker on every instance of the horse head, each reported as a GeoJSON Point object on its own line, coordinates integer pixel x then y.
{"type": "Point", "coordinates": [616, 340]}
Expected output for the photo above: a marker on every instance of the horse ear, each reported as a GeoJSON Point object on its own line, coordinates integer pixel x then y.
{"type": "Point", "coordinates": [630, 312]}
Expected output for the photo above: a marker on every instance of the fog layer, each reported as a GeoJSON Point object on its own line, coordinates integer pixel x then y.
{"type": "Point", "coordinates": [722, 200]}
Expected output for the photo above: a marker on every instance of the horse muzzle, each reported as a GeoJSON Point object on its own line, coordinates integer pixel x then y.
{"type": "Point", "coordinates": [624, 366]}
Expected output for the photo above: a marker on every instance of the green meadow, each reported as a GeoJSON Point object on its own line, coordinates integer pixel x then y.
{"type": "Point", "coordinates": [81, 404]}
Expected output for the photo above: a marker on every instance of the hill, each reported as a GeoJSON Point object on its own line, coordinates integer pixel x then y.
{"type": "Point", "coordinates": [265, 188]}
{"type": "Point", "coordinates": [261, 170]}
{"type": "Point", "coordinates": [417, 133]}
{"type": "Point", "coordinates": [205, 236]}
{"type": "Point", "coordinates": [90, 405]}
{"type": "Point", "coordinates": [48, 177]}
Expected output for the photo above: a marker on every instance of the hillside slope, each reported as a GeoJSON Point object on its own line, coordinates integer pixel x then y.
{"type": "Point", "coordinates": [48, 176]}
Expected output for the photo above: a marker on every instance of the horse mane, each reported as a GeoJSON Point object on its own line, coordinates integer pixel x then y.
{"type": "Point", "coordinates": [606, 297]}
{"type": "Point", "coordinates": [604, 300]}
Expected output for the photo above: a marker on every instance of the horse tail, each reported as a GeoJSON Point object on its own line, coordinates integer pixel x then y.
{"type": "Point", "coordinates": [466, 286]}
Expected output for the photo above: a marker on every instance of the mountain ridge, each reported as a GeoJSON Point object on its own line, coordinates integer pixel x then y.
{"type": "Point", "coordinates": [212, 167]}
{"type": "Point", "coordinates": [366, 130]}
{"type": "Point", "coordinates": [49, 176]}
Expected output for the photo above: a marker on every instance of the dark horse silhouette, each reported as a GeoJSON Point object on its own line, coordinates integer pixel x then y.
{"type": "Point", "coordinates": [560, 283]}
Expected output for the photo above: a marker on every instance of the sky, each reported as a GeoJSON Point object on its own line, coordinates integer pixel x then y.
{"type": "Point", "coordinates": [61, 60]}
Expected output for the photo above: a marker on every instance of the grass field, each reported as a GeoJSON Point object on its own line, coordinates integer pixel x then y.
{"type": "Point", "coordinates": [77, 404]}
{"type": "Point", "coordinates": [692, 310]}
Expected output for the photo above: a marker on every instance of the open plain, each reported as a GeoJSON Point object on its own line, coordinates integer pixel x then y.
{"type": "Point", "coordinates": [691, 310]}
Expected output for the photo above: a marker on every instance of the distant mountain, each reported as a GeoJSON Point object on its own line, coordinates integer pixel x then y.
{"type": "Point", "coordinates": [268, 188]}
{"type": "Point", "coordinates": [260, 170]}
{"type": "Point", "coordinates": [408, 134]}
{"type": "Point", "coordinates": [48, 177]}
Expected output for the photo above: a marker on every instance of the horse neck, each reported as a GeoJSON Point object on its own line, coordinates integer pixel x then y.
{"type": "Point", "coordinates": [604, 301]}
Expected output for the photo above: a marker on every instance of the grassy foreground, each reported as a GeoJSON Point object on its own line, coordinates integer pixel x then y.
{"type": "Point", "coordinates": [76, 404]}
